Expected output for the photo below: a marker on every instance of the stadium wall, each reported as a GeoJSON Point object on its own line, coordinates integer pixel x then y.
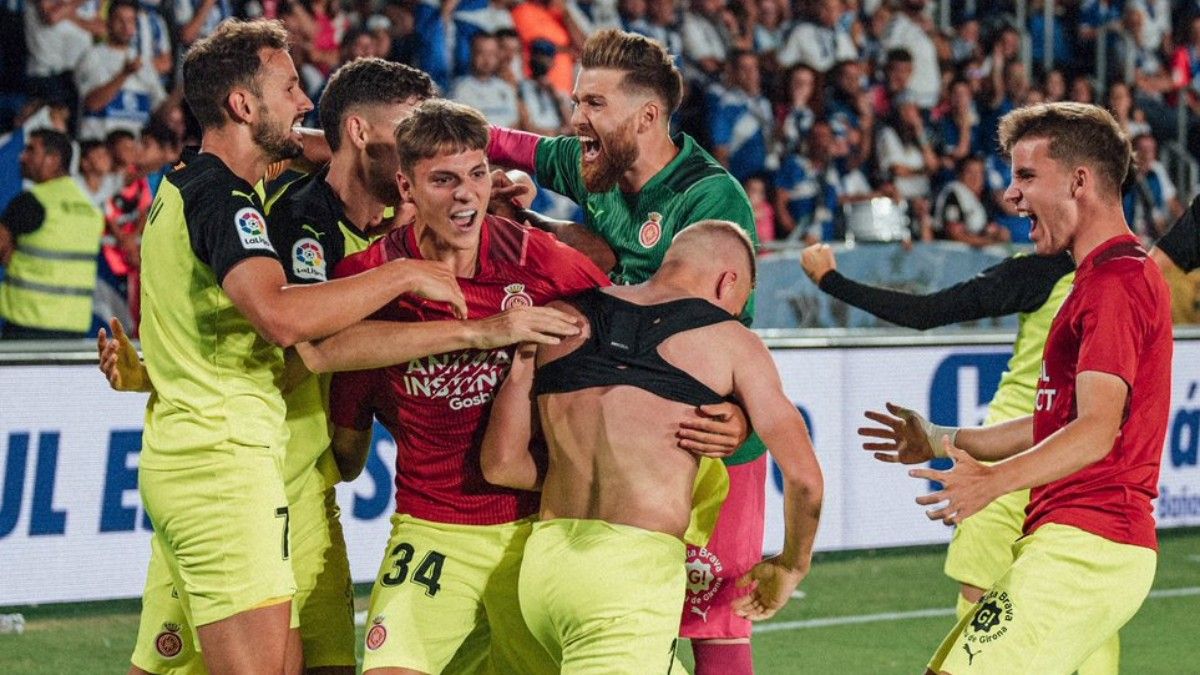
{"type": "Point", "coordinates": [72, 527]}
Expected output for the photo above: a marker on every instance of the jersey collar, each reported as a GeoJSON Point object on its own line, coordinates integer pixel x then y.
{"type": "Point", "coordinates": [1119, 246]}
{"type": "Point", "coordinates": [407, 240]}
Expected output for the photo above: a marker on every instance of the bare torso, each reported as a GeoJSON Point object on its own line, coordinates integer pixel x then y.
{"type": "Point", "coordinates": [613, 453]}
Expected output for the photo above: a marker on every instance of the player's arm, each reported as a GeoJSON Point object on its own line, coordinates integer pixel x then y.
{"type": "Point", "coordinates": [378, 344]}
{"type": "Point", "coordinates": [970, 486]}
{"type": "Point", "coordinates": [506, 457]}
{"type": "Point", "coordinates": [782, 429]}
{"type": "Point", "coordinates": [1179, 248]}
{"type": "Point", "coordinates": [287, 315]}
{"type": "Point", "coordinates": [575, 235]}
{"type": "Point", "coordinates": [1019, 284]}
{"type": "Point", "coordinates": [350, 448]}
{"type": "Point", "coordinates": [352, 406]}
{"type": "Point", "coordinates": [905, 437]}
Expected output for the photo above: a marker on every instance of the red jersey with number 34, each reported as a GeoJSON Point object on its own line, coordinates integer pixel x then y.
{"type": "Point", "coordinates": [437, 407]}
{"type": "Point", "coordinates": [1117, 320]}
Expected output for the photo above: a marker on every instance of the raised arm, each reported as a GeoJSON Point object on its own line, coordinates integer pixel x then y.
{"type": "Point", "coordinates": [782, 429]}
{"type": "Point", "coordinates": [506, 458]}
{"type": "Point", "coordinates": [1018, 284]}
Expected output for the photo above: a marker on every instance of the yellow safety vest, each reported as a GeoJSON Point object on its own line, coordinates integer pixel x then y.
{"type": "Point", "coordinates": [52, 275]}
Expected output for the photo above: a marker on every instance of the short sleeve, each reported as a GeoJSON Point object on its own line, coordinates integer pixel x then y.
{"type": "Point", "coordinates": [24, 214]}
{"type": "Point", "coordinates": [1112, 328]}
{"type": "Point", "coordinates": [1182, 242]}
{"type": "Point", "coordinates": [305, 257]}
{"type": "Point", "coordinates": [230, 231]}
{"type": "Point", "coordinates": [558, 167]}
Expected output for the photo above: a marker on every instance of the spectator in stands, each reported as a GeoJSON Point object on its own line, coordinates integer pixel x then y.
{"type": "Point", "coordinates": [771, 28]}
{"type": "Point", "coordinates": [49, 237]}
{"type": "Point", "coordinates": [742, 125]}
{"type": "Point", "coordinates": [1131, 118]}
{"type": "Point", "coordinates": [804, 105]}
{"type": "Point", "coordinates": [632, 13]}
{"type": "Point", "coordinates": [663, 23]}
{"type": "Point", "coordinates": [1152, 202]}
{"type": "Point", "coordinates": [199, 18]}
{"type": "Point", "coordinates": [807, 187]}
{"type": "Point", "coordinates": [548, 20]}
{"type": "Point", "coordinates": [910, 30]}
{"type": "Point", "coordinates": [153, 38]}
{"type": "Point", "coordinates": [548, 110]}
{"type": "Point", "coordinates": [870, 42]}
{"type": "Point", "coordinates": [850, 113]}
{"type": "Point", "coordinates": [764, 212]}
{"type": "Point", "coordinates": [512, 56]}
{"type": "Point", "coordinates": [1096, 17]}
{"type": "Point", "coordinates": [897, 74]}
{"type": "Point", "coordinates": [1060, 40]}
{"type": "Point", "coordinates": [959, 213]}
{"type": "Point", "coordinates": [484, 90]}
{"type": "Point", "coordinates": [594, 15]}
{"type": "Point", "coordinates": [1054, 86]}
{"type": "Point", "coordinates": [1006, 89]}
{"type": "Point", "coordinates": [472, 17]}
{"type": "Point", "coordinates": [964, 46]}
{"type": "Point", "coordinates": [34, 115]}
{"type": "Point", "coordinates": [905, 154]}
{"type": "Point", "coordinates": [123, 147]}
{"type": "Point", "coordinates": [405, 41]}
{"type": "Point", "coordinates": [957, 129]}
{"type": "Point", "coordinates": [118, 89]}
{"type": "Point", "coordinates": [819, 40]}
{"type": "Point", "coordinates": [57, 33]}
{"type": "Point", "coordinates": [1083, 89]}
{"type": "Point", "coordinates": [96, 176]}
{"type": "Point", "coordinates": [704, 39]}
{"type": "Point", "coordinates": [999, 175]}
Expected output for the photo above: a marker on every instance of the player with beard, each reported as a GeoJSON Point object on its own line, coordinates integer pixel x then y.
{"type": "Point", "coordinates": [640, 186]}
{"type": "Point", "coordinates": [216, 311]}
{"type": "Point", "coordinates": [316, 222]}
{"type": "Point", "coordinates": [1092, 449]}
{"type": "Point", "coordinates": [445, 596]}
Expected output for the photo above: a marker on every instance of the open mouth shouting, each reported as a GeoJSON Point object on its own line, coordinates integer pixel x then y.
{"type": "Point", "coordinates": [464, 218]}
{"type": "Point", "coordinates": [1033, 221]}
{"type": "Point", "coordinates": [592, 148]}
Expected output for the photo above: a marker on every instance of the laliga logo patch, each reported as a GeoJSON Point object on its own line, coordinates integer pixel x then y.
{"type": "Point", "coordinates": [651, 230]}
{"type": "Point", "coordinates": [252, 229]}
{"type": "Point", "coordinates": [515, 296]}
{"type": "Point", "coordinates": [308, 260]}
{"type": "Point", "coordinates": [168, 643]}
{"type": "Point", "coordinates": [377, 635]}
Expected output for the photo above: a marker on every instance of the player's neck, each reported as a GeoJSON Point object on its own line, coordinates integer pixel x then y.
{"type": "Point", "coordinates": [1103, 224]}
{"type": "Point", "coordinates": [346, 179]}
{"type": "Point", "coordinates": [655, 153]}
{"type": "Point", "coordinates": [233, 146]}
{"type": "Point", "coordinates": [463, 262]}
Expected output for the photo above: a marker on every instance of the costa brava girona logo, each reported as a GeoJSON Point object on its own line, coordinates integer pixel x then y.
{"type": "Point", "coordinates": [704, 580]}
{"type": "Point", "coordinates": [515, 296]}
{"type": "Point", "coordinates": [651, 230]}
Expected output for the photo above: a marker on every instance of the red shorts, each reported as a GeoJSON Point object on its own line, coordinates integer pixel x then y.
{"type": "Point", "coordinates": [735, 547]}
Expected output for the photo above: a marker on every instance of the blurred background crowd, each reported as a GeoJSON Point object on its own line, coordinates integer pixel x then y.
{"type": "Point", "coordinates": [845, 120]}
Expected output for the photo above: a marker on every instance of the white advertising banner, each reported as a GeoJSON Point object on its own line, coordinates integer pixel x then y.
{"type": "Point", "coordinates": [72, 527]}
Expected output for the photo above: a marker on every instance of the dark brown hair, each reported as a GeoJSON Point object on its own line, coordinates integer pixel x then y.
{"type": "Point", "coordinates": [226, 59]}
{"type": "Point", "coordinates": [368, 81]}
{"type": "Point", "coordinates": [437, 127]}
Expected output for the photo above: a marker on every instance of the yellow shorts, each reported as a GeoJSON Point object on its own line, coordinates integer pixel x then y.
{"type": "Point", "coordinates": [982, 546]}
{"type": "Point", "coordinates": [1066, 593]}
{"type": "Point", "coordinates": [445, 600]}
{"type": "Point", "coordinates": [323, 600]}
{"type": "Point", "coordinates": [223, 530]}
{"type": "Point", "coordinates": [603, 598]}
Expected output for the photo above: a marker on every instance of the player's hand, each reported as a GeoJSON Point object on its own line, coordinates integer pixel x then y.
{"type": "Point", "coordinates": [716, 431]}
{"type": "Point", "coordinates": [904, 437]}
{"type": "Point", "coordinates": [771, 584]}
{"type": "Point", "coordinates": [966, 487]}
{"type": "Point", "coordinates": [817, 261]}
{"type": "Point", "coordinates": [511, 190]}
{"type": "Point", "coordinates": [536, 325]}
{"type": "Point", "coordinates": [119, 360]}
{"type": "Point", "coordinates": [434, 280]}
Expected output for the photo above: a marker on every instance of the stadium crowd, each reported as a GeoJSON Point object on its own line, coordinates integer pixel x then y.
{"type": "Point", "coordinates": [818, 107]}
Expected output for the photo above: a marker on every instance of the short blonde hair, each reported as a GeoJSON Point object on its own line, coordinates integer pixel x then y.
{"type": "Point", "coordinates": [1079, 133]}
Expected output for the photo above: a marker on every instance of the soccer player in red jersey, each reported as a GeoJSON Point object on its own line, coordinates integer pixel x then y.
{"type": "Point", "coordinates": [449, 573]}
{"type": "Point", "coordinates": [1091, 451]}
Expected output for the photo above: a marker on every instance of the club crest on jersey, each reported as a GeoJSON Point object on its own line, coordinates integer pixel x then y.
{"type": "Point", "coordinates": [252, 229]}
{"type": "Point", "coordinates": [651, 230]}
{"type": "Point", "coordinates": [308, 260]}
{"type": "Point", "coordinates": [168, 643]}
{"type": "Point", "coordinates": [515, 296]}
{"type": "Point", "coordinates": [704, 578]}
{"type": "Point", "coordinates": [377, 635]}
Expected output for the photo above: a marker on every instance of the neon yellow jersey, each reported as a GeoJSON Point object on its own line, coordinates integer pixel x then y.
{"type": "Point", "coordinates": [217, 381]}
{"type": "Point", "coordinates": [1018, 385]}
